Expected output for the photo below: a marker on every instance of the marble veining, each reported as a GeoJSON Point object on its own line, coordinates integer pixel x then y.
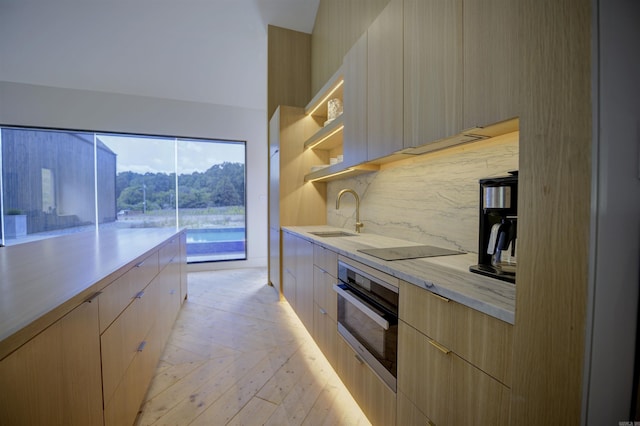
{"type": "Point", "coordinates": [432, 199]}
{"type": "Point", "coordinates": [447, 276]}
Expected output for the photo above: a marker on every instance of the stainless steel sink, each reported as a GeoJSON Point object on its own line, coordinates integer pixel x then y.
{"type": "Point", "coordinates": [333, 234]}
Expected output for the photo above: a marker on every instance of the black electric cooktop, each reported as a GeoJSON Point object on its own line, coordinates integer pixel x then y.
{"type": "Point", "coordinates": [409, 252]}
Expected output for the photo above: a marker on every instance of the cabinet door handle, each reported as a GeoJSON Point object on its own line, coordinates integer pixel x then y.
{"type": "Point", "coordinates": [323, 312]}
{"type": "Point", "coordinates": [93, 296]}
{"type": "Point", "coordinates": [142, 345]}
{"type": "Point", "coordinates": [357, 357]}
{"type": "Point", "coordinates": [439, 347]}
{"type": "Point", "coordinates": [139, 295]}
{"type": "Point", "coordinates": [139, 264]}
{"type": "Point", "coordinates": [437, 296]}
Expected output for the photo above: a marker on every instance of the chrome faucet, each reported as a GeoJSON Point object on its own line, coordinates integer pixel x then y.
{"type": "Point", "coordinates": [340, 194]}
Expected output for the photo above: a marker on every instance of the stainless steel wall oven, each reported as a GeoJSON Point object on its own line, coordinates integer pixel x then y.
{"type": "Point", "coordinates": [368, 319]}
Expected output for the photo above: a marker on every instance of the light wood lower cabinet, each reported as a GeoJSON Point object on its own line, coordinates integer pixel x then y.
{"type": "Point", "coordinates": [297, 276]}
{"type": "Point", "coordinates": [376, 400]}
{"type": "Point", "coordinates": [54, 379]}
{"type": "Point", "coordinates": [93, 366]}
{"type": "Point", "coordinates": [325, 326]}
{"type": "Point", "coordinates": [408, 413]}
{"type": "Point", "coordinates": [131, 346]}
{"type": "Point", "coordinates": [453, 361]}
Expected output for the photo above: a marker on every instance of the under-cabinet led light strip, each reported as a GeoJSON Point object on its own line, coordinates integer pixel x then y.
{"type": "Point", "coordinates": [341, 172]}
{"type": "Point", "coordinates": [326, 137]}
{"type": "Point", "coordinates": [326, 98]}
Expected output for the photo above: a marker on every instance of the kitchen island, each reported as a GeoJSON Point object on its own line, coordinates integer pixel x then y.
{"type": "Point", "coordinates": [83, 321]}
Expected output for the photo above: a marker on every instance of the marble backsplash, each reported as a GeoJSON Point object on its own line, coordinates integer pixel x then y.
{"type": "Point", "coordinates": [430, 199]}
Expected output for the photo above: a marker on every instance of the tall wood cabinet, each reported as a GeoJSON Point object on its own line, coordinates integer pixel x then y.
{"type": "Point", "coordinates": [292, 201]}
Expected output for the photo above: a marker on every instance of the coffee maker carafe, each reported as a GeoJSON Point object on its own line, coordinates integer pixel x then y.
{"type": "Point", "coordinates": [498, 228]}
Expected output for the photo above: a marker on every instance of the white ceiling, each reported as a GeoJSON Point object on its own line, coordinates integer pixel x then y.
{"type": "Point", "coordinates": [211, 51]}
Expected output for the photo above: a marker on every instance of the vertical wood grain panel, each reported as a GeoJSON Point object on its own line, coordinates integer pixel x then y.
{"type": "Point", "coordinates": [554, 208]}
{"type": "Point", "coordinates": [339, 24]}
{"type": "Point", "coordinates": [385, 82]}
{"type": "Point", "coordinates": [491, 46]}
{"type": "Point", "coordinates": [355, 103]}
{"type": "Point", "coordinates": [300, 203]}
{"type": "Point", "coordinates": [288, 68]}
{"type": "Point", "coordinates": [432, 70]}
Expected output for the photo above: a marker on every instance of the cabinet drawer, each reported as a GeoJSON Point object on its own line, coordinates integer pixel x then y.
{"type": "Point", "coordinates": [123, 407]}
{"type": "Point", "coordinates": [121, 341]}
{"type": "Point", "coordinates": [325, 259]}
{"type": "Point", "coordinates": [446, 388]}
{"type": "Point", "coordinates": [424, 373]}
{"type": "Point", "coordinates": [325, 333]}
{"type": "Point", "coordinates": [119, 294]}
{"type": "Point", "coordinates": [408, 414]}
{"type": "Point", "coordinates": [376, 400]}
{"type": "Point", "coordinates": [169, 251]}
{"type": "Point", "coordinates": [323, 293]}
{"type": "Point", "coordinates": [478, 338]}
{"type": "Point", "coordinates": [427, 312]}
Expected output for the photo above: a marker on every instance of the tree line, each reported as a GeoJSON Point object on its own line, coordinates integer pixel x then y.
{"type": "Point", "coordinates": [220, 186]}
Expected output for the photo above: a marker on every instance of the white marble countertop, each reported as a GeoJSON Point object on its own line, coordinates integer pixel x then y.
{"type": "Point", "coordinates": [447, 276]}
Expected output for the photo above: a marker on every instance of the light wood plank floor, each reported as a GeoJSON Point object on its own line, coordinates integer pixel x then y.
{"type": "Point", "coordinates": [238, 356]}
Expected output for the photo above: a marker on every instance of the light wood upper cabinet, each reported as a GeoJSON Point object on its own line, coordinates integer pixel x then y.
{"type": "Point", "coordinates": [54, 379]}
{"type": "Point", "coordinates": [384, 82]}
{"type": "Point", "coordinates": [491, 74]}
{"type": "Point", "coordinates": [432, 70]}
{"type": "Point", "coordinates": [355, 103]}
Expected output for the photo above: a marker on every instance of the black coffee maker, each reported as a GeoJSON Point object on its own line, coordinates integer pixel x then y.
{"type": "Point", "coordinates": [498, 228]}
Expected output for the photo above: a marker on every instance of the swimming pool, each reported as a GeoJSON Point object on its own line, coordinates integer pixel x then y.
{"type": "Point", "coordinates": [216, 242]}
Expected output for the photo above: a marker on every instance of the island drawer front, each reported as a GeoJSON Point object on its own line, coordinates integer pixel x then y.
{"type": "Point", "coordinates": [478, 338]}
{"type": "Point", "coordinates": [169, 252]}
{"type": "Point", "coordinates": [123, 339]}
{"type": "Point", "coordinates": [120, 293]}
{"type": "Point", "coordinates": [123, 407]}
{"type": "Point", "coordinates": [325, 259]}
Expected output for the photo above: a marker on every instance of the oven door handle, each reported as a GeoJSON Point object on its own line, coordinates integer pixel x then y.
{"type": "Point", "coordinates": [362, 306]}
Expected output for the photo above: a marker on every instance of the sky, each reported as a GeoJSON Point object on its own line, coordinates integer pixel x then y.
{"type": "Point", "coordinates": [156, 155]}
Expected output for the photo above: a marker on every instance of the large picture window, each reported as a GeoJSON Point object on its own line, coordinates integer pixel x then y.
{"type": "Point", "coordinates": [56, 182]}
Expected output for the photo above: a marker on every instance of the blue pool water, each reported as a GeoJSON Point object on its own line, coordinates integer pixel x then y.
{"type": "Point", "coordinates": [216, 241]}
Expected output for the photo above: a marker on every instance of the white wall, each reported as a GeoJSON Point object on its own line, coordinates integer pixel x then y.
{"type": "Point", "coordinates": [190, 69]}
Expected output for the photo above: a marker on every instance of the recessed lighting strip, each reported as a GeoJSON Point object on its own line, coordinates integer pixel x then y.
{"type": "Point", "coordinates": [332, 175]}
{"type": "Point", "coordinates": [326, 98]}
{"type": "Point", "coordinates": [313, 145]}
